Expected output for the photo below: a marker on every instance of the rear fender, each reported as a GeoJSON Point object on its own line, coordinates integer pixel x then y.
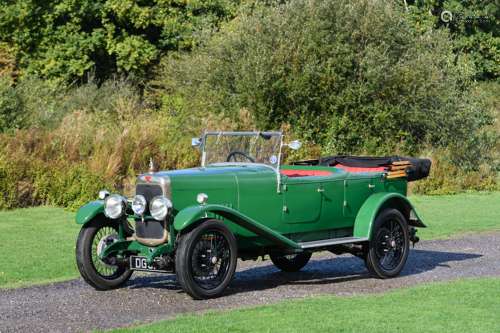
{"type": "Point", "coordinates": [376, 203]}
{"type": "Point", "coordinates": [192, 215]}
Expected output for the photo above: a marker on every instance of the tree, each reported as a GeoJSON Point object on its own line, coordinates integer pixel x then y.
{"type": "Point", "coordinates": [67, 39]}
{"type": "Point", "coordinates": [474, 26]}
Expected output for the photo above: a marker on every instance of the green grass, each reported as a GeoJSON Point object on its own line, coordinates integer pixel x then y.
{"type": "Point", "coordinates": [460, 306]}
{"type": "Point", "coordinates": [38, 243]}
{"type": "Point", "coordinates": [38, 246]}
{"type": "Point", "coordinates": [455, 215]}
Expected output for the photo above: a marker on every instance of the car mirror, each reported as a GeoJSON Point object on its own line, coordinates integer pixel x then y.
{"type": "Point", "coordinates": [295, 145]}
{"type": "Point", "coordinates": [195, 142]}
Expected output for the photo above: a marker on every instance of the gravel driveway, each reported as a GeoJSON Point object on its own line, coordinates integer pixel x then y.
{"type": "Point", "coordinates": [74, 306]}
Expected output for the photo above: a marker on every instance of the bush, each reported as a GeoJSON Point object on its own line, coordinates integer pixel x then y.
{"type": "Point", "coordinates": [350, 77]}
{"type": "Point", "coordinates": [448, 178]}
{"type": "Point", "coordinates": [350, 82]}
{"type": "Point", "coordinates": [67, 166]}
{"type": "Point", "coordinates": [69, 162]}
{"type": "Point", "coordinates": [341, 81]}
{"type": "Point", "coordinates": [11, 109]}
{"type": "Point", "coordinates": [38, 103]}
{"type": "Point", "coordinates": [77, 140]}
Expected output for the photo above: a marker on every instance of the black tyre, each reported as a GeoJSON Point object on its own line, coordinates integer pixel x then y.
{"type": "Point", "coordinates": [291, 262]}
{"type": "Point", "coordinates": [205, 259]}
{"type": "Point", "coordinates": [388, 249]}
{"type": "Point", "coordinates": [91, 241]}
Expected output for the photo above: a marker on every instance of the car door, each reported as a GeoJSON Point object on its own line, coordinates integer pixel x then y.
{"type": "Point", "coordinates": [302, 198]}
{"type": "Point", "coordinates": [357, 189]}
{"type": "Point", "coordinates": [259, 199]}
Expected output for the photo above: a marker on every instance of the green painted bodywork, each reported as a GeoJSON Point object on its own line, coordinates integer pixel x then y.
{"type": "Point", "coordinates": [372, 206]}
{"type": "Point", "coordinates": [265, 211]}
{"type": "Point", "coordinates": [193, 214]}
{"type": "Point", "coordinates": [89, 211]}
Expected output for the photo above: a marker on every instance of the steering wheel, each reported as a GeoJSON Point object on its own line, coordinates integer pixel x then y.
{"type": "Point", "coordinates": [234, 153]}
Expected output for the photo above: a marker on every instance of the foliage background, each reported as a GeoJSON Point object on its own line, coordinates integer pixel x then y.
{"type": "Point", "coordinates": [66, 39]}
{"type": "Point", "coordinates": [90, 90]}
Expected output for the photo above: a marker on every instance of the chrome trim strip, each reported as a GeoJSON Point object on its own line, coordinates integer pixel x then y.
{"type": "Point", "coordinates": [163, 181]}
{"type": "Point", "coordinates": [333, 241]}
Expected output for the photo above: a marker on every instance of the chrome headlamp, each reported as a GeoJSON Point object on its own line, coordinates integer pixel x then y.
{"type": "Point", "coordinates": [202, 198]}
{"type": "Point", "coordinates": [160, 207]}
{"type": "Point", "coordinates": [103, 194]}
{"type": "Point", "coordinates": [139, 205]}
{"type": "Point", "coordinates": [114, 206]}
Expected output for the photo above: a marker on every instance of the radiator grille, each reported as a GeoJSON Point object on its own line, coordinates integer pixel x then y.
{"type": "Point", "coordinates": [150, 229]}
{"type": "Point", "coordinates": [149, 191]}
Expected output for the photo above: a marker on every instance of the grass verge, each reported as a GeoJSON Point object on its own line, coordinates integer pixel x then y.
{"type": "Point", "coordinates": [38, 246]}
{"type": "Point", "coordinates": [38, 243]}
{"type": "Point", "coordinates": [455, 215]}
{"type": "Point", "coordinates": [459, 306]}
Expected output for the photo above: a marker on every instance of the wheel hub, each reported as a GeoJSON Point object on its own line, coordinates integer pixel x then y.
{"type": "Point", "coordinates": [103, 243]}
{"type": "Point", "coordinates": [390, 245]}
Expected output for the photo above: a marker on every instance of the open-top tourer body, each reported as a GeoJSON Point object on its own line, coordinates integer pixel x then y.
{"type": "Point", "coordinates": [242, 203]}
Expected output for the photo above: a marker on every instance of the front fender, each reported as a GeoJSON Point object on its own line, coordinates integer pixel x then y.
{"type": "Point", "coordinates": [375, 203]}
{"type": "Point", "coordinates": [193, 214]}
{"type": "Point", "coordinates": [87, 212]}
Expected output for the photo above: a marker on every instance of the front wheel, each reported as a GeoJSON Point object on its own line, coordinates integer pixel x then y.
{"type": "Point", "coordinates": [388, 249]}
{"type": "Point", "coordinates": [102, 275]}
{"type": "Point", "coordinates": [205, 259]}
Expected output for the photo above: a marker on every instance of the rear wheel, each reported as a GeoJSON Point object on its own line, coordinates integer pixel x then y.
{"type": "Point", "coordinates": [206, 259]}
{"type": "Point", "coordinates": [291, 262]}
{"type": "Point", "coordinates": [100, 274]}
{"type": "Point", "coordinates": [387, 252]}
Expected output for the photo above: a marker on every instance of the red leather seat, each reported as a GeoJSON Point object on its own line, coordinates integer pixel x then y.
{"type": "Point", "coordinates": [305, 173]}
{"type": "Point", "coordinates": [359, 169]}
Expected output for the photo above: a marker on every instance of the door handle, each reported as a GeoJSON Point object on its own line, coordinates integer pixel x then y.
{"type": "Point", "coordinates": [371, 186]}
{"type": "Point", "coordinates": [321, 190]}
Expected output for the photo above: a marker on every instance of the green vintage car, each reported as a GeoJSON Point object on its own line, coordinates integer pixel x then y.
{"type": "Point", "coordinates": [242, 203]}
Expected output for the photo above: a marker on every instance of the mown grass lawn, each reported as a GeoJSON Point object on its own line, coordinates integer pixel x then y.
{"type": "Point", "coordinates": [38, 243]}
{"type": "Point", "coordinates": [453, 215]}
{"type": "Point", "coordinates": [461, 306]}
{"type": "Point", "coordinates": [38, 246]}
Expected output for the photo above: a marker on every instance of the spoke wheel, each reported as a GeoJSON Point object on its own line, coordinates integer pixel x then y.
{"type": "Point", "coordinates": [210, 260]}
{"type": "Point", "coordinates": [92, 240]}
{"type": "Point", "coordinates": [388, 250]}
{"type": "Point", "coordinates": [206, 259]}
{"type": "Point", "coordinates": [390, 244]}
{"type": "Point", "coordinates": [104, 236]}
{"type": "Point", "coordinates": [291, 262]}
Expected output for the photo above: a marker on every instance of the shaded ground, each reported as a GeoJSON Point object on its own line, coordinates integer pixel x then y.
{"type": "Point", "coordinates": [74, 306]}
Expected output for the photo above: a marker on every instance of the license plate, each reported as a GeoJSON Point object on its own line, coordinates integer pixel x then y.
{"type": "Point", "coordinates": [138, 263]}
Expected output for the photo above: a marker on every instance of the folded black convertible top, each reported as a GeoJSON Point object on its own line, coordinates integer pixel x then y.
{"type": "Point", "coordinates": [420, 167]}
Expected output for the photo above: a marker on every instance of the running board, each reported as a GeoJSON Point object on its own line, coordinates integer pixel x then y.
{"type": "Point", "coordinates": [333, 241]}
